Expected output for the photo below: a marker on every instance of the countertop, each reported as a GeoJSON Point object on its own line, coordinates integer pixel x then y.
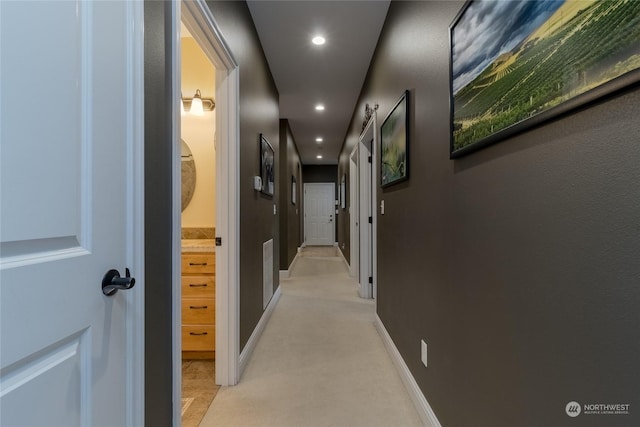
{"type": "Point", "coordinates": [198, 245]}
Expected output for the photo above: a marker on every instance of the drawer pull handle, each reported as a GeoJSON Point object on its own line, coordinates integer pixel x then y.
{"type": "Point", "coordinates": [197, 263]}
{"type": "Point", "coordinates": [198, 307]}
{"type": "Point", "coordinates": [198, 333]}
{"type": "Point", "coordinates": [197, 285]}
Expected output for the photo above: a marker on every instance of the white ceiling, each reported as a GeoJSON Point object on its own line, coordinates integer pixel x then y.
{"type": "Point", "coordinates": [306, 74]}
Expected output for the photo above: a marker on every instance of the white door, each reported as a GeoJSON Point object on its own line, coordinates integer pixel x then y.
{"type": "Point", "coordinates": [319, 211]}
{"type": "Point", "coordinates": [71, 141]}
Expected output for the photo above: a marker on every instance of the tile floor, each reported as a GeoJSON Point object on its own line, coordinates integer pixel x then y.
{"type": "Point", "coordinates": [198, 390]}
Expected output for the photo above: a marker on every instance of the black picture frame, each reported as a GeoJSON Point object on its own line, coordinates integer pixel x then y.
{"type": "Point", "coordinates": [515, 65]}
{"type": "Point", "coordinates": [294, 190]}
{"type": "Point", "coordinates": [267, 166]}
{"type": "Point", "coordinates": [343, 192]}
{"type": "Point", "coordinates": [394, 144]}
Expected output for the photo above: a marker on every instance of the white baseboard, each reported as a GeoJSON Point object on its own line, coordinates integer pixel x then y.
{"type": "Point", "coordinates": [285, 274]}
{"type": "Point", "coordinates": [345, 260]}
{"type": "Point", "coordinates": [245, 355]}
{"type": "Point", "coordinates": [427, 415]}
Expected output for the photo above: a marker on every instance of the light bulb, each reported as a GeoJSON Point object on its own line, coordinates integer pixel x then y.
{"type": "Point", "coordinates": [196, 104]}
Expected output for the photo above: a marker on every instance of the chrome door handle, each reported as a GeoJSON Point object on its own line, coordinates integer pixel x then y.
{"type": "Point", "coordinates": [112, 282]}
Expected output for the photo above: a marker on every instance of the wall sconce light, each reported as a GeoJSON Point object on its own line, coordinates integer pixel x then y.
{"type": "Point", "coordinates": [198, 105]}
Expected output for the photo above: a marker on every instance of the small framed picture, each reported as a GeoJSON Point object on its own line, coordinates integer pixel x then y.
{"type": "Point", "coordinates": [394, 144]}
{"type": "Point", "coordinates": [267, 170]}
{"type": "Point", "coordinates": [294, 190]}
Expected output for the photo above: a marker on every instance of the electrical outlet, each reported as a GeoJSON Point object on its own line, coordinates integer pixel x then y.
{"type": "Point", "coordinates": [423, 356]}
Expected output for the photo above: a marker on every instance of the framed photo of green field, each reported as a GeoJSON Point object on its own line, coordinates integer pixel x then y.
{"type": "Point", "coordinates": [516, 64]}
{"type": "Point", "coordinates": [394, 144]}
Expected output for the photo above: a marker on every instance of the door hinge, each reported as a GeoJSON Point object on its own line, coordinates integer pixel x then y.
{"type": "Point", "coordinates": [218, 241]}
{"type": "Point", "coordinates": [370, 220]}
{"type": "Point", "coordinates": [370, 159]}
{"type": "Point", "coordinates": [371, 280]}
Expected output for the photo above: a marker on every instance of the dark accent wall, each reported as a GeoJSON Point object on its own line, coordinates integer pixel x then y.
{"type": "Point", "coordinates": [158, 218]}
{"type": "Point", "coordinates": [320, 174]}
{"type": "Point", "coordinates": [259, 113]}
{"type": "Point", "coordinates": [517, 264]}
{"type": "Point", "coordinates": [344, 219]}
{"type": "Point", "coordinates": [290, 214]}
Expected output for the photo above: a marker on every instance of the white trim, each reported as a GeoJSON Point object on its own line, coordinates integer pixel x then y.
{"type": "Point", "coordinates": [354, 214]}
{"type": "Point", "coordinates": [346, 263]}
{"type": "Point", "coordinates": [176, 203]}
{"type": "Point", "coordinates": [367, 192]}
{"type": "Point", "coordinates": [365, 171]}
{"type": "Point", "coordinates": [374, 203]}
{"type": "Point", "coordinates": [285, 274]}
{"type": "Point", "coordinates": [248, 349]}
{"type": "Point", "coordinates": [135, 320]}
{"type": "Point", "coordinates": [420, 402]}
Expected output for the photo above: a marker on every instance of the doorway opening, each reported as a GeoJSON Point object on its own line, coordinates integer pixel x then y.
{"type": "Point", "coordinates": [198, 194]}
{"type": "Point", "coordinates": [206, 232]}
{"type": "Point", "coordinates": [362, 166]}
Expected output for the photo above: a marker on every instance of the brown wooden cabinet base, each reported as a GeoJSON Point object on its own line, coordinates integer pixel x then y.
{"type": "Point", "coordinates": [190, 355]}
{"type": "Point", "coordinates": [198, 305]}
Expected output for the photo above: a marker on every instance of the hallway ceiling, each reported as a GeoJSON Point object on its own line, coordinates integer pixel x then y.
{"type": "Point", "coordinates": [306, 74]}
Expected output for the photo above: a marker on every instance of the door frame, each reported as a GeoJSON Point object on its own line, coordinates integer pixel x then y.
{"type": "Point", "coordinates": [200, 22]}
{"type": "Point", "coordinates": [368, 239]}
{"type": "Point", "coordinates": [135, 317]}
{"type": "Point", "coordinates": [354, 212]}
{"type": "Point", "coordinates": [333, 209]}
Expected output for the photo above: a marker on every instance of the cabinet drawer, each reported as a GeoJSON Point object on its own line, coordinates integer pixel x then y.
{"type": "Point", "coordinates": [198, 263]}
{"type": "Point", "coordinates": [198, 286]}
{"type": "Point", "coordinates": [198, 311]}
{"type": "Point", "coordinates": [198, 338]}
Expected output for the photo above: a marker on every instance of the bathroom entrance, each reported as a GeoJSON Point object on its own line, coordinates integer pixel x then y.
{"type": "Point", "coordinates": [205, 280]}
{"type": "Point", "coordinates": [197, 234]}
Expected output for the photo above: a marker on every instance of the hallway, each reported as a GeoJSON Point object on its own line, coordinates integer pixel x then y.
{"type": "Point", "coordinates": [320, 360]}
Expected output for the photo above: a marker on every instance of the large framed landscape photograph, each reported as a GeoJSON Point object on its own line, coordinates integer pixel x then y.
{"type": "Point", "coordinates": [516, 64]}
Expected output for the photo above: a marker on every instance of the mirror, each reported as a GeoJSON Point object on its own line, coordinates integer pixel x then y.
{"type": "Point", "coordinates": [188, 174]}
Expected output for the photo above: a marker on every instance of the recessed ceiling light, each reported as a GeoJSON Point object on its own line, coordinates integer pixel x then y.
{"type": "Point", "coordinates": [318, 139]}
{"type": "Point", "coordinates": [318, 40]}
{"type": "Point", "coordinates": [319, 107]}
{"type": "Point", "coordinates": [319, 156]}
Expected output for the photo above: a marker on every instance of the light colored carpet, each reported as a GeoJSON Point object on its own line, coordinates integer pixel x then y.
{"type": "Point", "coordinates": [319, 362]}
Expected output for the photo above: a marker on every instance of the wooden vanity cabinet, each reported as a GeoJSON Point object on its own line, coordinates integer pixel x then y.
{"type": "Point", "coordinates": [198, 304]}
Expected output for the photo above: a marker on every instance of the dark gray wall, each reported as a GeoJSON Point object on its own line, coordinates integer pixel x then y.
{"type": "Point", "coordinates": [158, 221]}
{"type": "Point", "coordinates": [290, 214]}
{"type": "Point", "coordinates": [344, 221]}
{"type": "Point", "coordinates": [517, 264]}
{"type": "Point", "coordinates": [319, 174]}
{"type": "Point", "coordinates": [259, 113]}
